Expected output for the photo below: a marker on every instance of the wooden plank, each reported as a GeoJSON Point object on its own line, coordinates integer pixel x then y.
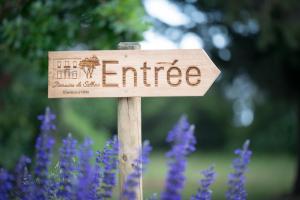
{"type": "Point", "coordinates": [130, 73]}
{"type": "Point", "coordinates": [129, 132]}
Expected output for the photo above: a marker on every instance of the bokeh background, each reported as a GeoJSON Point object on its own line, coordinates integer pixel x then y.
{"type": "Point", "coordinates": [256, 44]}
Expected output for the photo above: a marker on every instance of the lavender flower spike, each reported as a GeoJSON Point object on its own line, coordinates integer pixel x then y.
{"type": "Point", "coordinates": [5, 184]}
{"type": "Point", "coordinates": [236, 180]}
{"type": "Point", "coordinates": [110, 161]}
{"type": "Point", "coordinates": [43, 147]}
{"type": "Point", "coordinates": [204, 193]}
{"type": "Point", "coordinates": [98, 175]}
{"type": "Point", "coordinates": [85, 189]}
{"type": "Point", "coordinates": [67, 167]}
{"type": "Point", "coordinates": [46, 121]}
{"type": "Point", "coordinates": [183, 143]}
{"type": "Point", "coordinates": [23, 179]}
{"type": "Point", "coordinates": [133, 178]}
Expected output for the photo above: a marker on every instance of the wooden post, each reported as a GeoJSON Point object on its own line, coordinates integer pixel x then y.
{"type": "Point", "coordinates": [129, 130]}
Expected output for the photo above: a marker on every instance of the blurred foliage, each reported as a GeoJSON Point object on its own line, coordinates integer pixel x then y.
{"type": "Point", "coordinates": [261, 43]}
{"type": "Point", "coordinates": [31, 28]}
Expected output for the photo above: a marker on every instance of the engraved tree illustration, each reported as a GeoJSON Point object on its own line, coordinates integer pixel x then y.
{"type": "Point", "coordinates": [88, 65]}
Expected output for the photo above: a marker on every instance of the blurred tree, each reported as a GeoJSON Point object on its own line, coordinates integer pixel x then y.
{"type": "Point", "coordinates": [257, 39]}
{"type": "Point", "coordinates": [31, 28]}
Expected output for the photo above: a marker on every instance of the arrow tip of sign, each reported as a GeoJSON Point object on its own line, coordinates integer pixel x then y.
{"type": "Point", "coordinates": [215, 69]}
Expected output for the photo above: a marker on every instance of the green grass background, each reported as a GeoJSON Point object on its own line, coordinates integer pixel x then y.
{"type": "Point", "coordinates": [269, 176]}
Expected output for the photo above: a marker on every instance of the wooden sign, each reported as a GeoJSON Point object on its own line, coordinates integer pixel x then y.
{"type": "Point", "coordinates": [130, 73]}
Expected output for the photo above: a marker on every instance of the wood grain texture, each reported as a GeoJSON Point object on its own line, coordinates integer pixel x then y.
{"type": "Point", "coordinates": [130, 73]}
{"type": "Point", "coordinates": [129, 132]}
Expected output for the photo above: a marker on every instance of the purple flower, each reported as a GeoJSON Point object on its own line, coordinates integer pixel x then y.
{"type": "Point", "coordinates": [110, 163]}
{"type": "Point", "coordinates": [183, 143]}
{"type": "Point", "coordinates": [85, 188]}
{"type": "Point", "coordinates": [23, 179]}
{"type": "Point", "coordinates": [53, 186]}
{"type": "Point", "coordinates": [204, 192]}
{"type": "Point", "coordinates": [5, 184]}
{"type": "Point", "coordinates": [43, 147]}
{"type": "Point", "coordinates": [98, 175]}
{"type": "Point", "coordinates": [75, 177]}
{"type": "Point", "coordinates": [132, 181]}
{"type": "Point", "coordinates": [85, 156]}
{"type": "Point", "coordinates": [236, 180]}
{"type": "Point", "coordinates": [67, 167]}
{"type": "Point", "coordinates": [46, 119]}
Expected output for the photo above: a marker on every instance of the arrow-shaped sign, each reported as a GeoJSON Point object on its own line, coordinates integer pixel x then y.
{"type": "Point", "coordinates": [130, 73]}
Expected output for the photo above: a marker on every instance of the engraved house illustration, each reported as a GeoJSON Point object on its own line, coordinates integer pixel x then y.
{"type": "Point", "coordinates": [67, 69]}
{"type": "Point", "coordinates": [88, 65]}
